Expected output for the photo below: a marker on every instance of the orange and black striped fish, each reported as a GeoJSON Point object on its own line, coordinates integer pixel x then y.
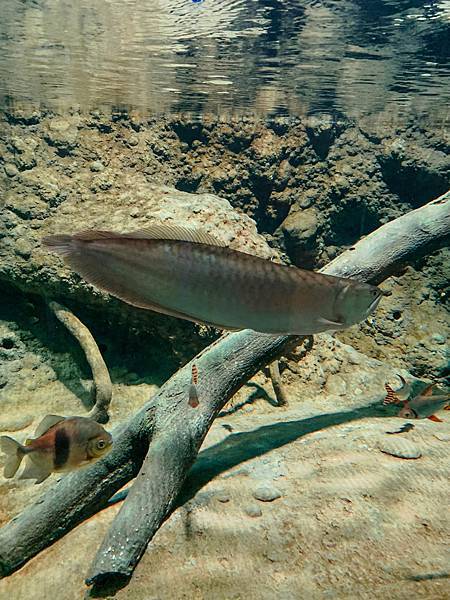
{"type": "Point", "coordinates": [391, 396]}
{"type": "Point", "coordinates": [193, 393]}
{"type": "Point", "coordinates": [397, 396]}
{"type": "Point", "coordinates": [61, 444]}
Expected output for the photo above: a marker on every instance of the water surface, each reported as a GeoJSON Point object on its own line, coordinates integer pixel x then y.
{"type": "Point", "coordinates": [253, 56]}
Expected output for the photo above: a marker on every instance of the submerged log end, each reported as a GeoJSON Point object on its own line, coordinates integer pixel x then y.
{"type": "Point", "coordinates": [106, 584]}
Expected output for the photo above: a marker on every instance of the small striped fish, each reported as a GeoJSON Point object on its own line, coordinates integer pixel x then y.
{"type": "Point", "coordinates": [397, 396]}
{"type": "Point", "coordinates": [391, 396]}
{"type": "Point", "coordinates": [417, 406]}
{"type": "Point", "coordinates": [425, 404]}
{"type": "Point", "coordinates": [61, 444]}
{"type": "Point", "coordinates": [193, 393]}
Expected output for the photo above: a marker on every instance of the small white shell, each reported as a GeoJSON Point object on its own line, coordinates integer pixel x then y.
{"type": "Point", "coordinates": [400, 448]}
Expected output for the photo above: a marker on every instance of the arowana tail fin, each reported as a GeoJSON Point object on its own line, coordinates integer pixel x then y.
{"type": "Point", "coordinates": [14, 454]}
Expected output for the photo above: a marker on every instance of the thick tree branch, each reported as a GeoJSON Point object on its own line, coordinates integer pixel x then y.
{"type": "Point", "coordinates": [173, 431]}
{"type": "Point", "coordinates": [398, 242]}
{"type": "Point", "coordinates": [100, 374]}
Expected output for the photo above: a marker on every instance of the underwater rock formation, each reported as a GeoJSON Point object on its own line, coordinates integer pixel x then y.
{"type": "Point", "coordinates": [313, 186]}
{"type": "Point", "coordinates": [133, 204]}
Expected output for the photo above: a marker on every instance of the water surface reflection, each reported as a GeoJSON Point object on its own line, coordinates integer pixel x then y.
{"type": "Point", "coordinates": [263, 56]}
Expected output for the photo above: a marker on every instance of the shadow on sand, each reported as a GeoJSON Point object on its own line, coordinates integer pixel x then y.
{"type": "Point", "coordinates": [240, 447]}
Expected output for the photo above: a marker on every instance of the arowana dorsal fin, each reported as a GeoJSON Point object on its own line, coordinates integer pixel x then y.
{"type": "Point", "coordinates": [46, 423]}
{"type": "Point", "coordinates": [151, 232]}
{"type": "Point", "coordinates": [92, 235]}
{"type": "Point", "coordinates": [174, 232]}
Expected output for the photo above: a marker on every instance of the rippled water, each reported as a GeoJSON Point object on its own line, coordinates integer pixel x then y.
{"type": "Point", "coordinates": [264, 56]}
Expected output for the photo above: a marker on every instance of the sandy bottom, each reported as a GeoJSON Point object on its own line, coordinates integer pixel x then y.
{"type": "Point", "coordinates": [283, 503]}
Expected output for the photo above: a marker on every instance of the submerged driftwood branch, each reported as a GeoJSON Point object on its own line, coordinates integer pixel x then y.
{"type": "Point", "coordinates": [172, 431]}
{"type": "Point", "coordinates": [275, 377]}
{"type": "Point", "coordinates": [100, 374]}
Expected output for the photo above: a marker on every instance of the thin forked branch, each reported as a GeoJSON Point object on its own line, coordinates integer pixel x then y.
{"type": "Point", "coordinates": [275, 377]}
{"type": "Point", "coordinates": [102, 381]}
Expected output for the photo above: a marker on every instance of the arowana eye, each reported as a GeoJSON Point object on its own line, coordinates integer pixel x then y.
{"type": "Point", "coordinates": [101, 444]}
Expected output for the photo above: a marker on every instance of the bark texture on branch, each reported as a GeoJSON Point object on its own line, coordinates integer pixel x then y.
{"type": "Point", "coordinates": [100, 374]}
{"type": "Point", "coordinates": [172, 431]}
{"type": "Point", "coordinates": [382, 252]}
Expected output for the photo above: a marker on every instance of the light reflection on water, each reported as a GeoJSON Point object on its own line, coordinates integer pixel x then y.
{"type": "Point", "coordinates": [263, 56]}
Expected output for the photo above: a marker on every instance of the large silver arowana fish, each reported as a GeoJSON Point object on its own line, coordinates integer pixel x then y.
{"type": "Point", "coordinates": [188, 274]}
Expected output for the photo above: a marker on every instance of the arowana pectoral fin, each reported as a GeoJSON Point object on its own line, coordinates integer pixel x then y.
{"type": "Point", "coordinates": [330, 323]}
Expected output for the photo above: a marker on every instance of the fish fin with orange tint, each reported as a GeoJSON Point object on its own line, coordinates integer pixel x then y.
{"type": "Point", "coordinates": [193, 396]}
{"type": "Point", "coordinates": [435, 419]}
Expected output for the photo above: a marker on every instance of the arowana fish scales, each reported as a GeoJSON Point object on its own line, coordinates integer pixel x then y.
{"type": "Point", "coordinates": [188, 274]}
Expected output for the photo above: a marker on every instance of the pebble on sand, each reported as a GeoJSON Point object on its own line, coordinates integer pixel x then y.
{"type": "Point", "coordinates": [400, 448]}
{"type": "Point", "coordinates": [266, 493]}
{"type": "Point", "coordinates": [11, 170]}
{"type": "Point", "coordinates": [16, 424]}
{"type": "Point", "coordinates": [253, 510]}
{"type": "Point", "coordinates": [223, 497]}
{"type": "Point", "coordinates": [442, 437]}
